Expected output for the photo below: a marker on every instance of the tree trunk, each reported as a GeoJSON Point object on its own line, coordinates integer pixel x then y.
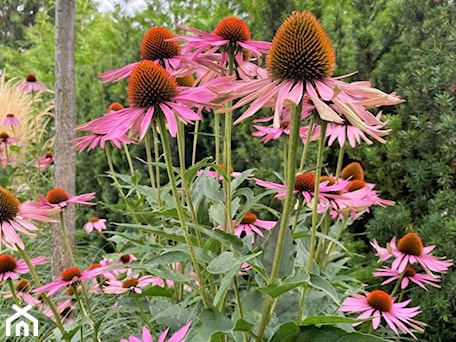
{"type": "Point", "coordinates": [65, 154]}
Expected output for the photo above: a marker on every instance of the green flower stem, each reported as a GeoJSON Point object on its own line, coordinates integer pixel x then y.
{"type": "Point", "coordinates": [157, 168]}
{"type": "Point", "coordinates": [86, 313]}
{"type": "Point", "coordinates": [296, 217]}
{"type": "Point", "coordinates": [116, 181]}
{"type": "Point", "coordinates": [217, 138]}
{"type": "Point", "coordinates": [149, 159]}
{"type": "Point", "coordinates": [46, 299]}
{"type": "Point", "coordinates": [130, 165]}
{"type": "Point", "coordinates": [340, 160]}
{"type": "Point", "coordinates": [322, 240]}
{"type": "Point", "coordinates": [228, 222]}
{"type": "Point", "coordinates": [180, 209]}
{"type": "Point", "coordinates": [302, 301]}
{"type": "Point", "coordinates": [13, 291]}
{"type": "Point", "coordinates": [306, 145]}
{"type": "Point", "coordinates": [195, 141]}
{"type": "Point", "coordinates": [142, 312]}
{"type": "Point", "coordinates": [66, 241]}
{"type": "Point", "coordinates": [286, 213]}
{"type": "Point", "coordinates": [313, 233]}
{"type": "Point", "coordinates": [398, 284]}
{"type": "Point", "coordinates": [182, 162]}
{"type": "Point", "coordinates": [331, 245]}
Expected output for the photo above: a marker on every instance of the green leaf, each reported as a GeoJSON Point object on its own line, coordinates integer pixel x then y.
{"type": "Point", "coordinates": [281, 286]}
{"type": "Point", "coordinates": [290, 332]}
{"type": "Point", "coordinates": [242, 325]}
{"type": "Point", "coordinates": [219, 299]}
{"type": "Point", "coordinates": [322, 284]}
{"type": "Point", "coordinates": [323, 320]}
{"type": "Point", "coordinates": [210, 325]}
{"type": "Point", "coordinates": [227, 261]}
{"type": "Point", "coordinates": [156, 291]}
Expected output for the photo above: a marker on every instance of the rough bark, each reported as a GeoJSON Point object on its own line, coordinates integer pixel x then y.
{"type": "Point", "coordinates": [65, 155]}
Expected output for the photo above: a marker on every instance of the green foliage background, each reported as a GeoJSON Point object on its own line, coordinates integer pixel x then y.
{"type": "Point", "coordinates": [407, 46]}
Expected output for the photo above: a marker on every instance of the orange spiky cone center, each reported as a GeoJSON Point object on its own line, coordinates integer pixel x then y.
{"type": "Point", "coordinates": [150, 85]}
{"type": "Point", "coordinates": [94, 219]}
{"type": "Point", "coordinates": [23, 285]}
{"type": "Point", "coordinates": [353, 170]}
{"type": "Point", "coordinates": [409, 272]}
{"type": "Point", "coordinates": [249, 218]}
{"type": "Point", "coordinates": [71, 273]}
{"type": "Point", "coordinates": [9, 205]}
{"type": "Point", "coordinates": [380, 300]}
{"type": "Point", "coordinates": [4, 136]}
{"type": "Point", "coordinates": [186, 81]}
{"type": "Point", "coordinates": [301, 50]}
{"type": "Point", "coordinates": [233, 29]}
{"type": "Point", "coordinates": [305, 182]}
{"type": "Point", "coordinates": [129, 283]}
{"type": "Point", "coordinates": [155, 46]}
{"type": "Point", "coordinates": [93, 266]}
{"type": "Point", "coordinates": [410, 244]}
{"type": "Point", "coordinates": [114, 107]}
{"type": "Point", "coordinates": [356, 185]}
{"type": "Point", "coordinates": [49, 155]}
{"type": "Point", "coordinates": [57, 195]}
{"type": "Point", "coordinates": [10, 115]}
{"type": "Point", "coordinates": [125, 259]}
{"type": "Point", "coordinates": [7, 263]}
{"type": "Point", "coordinates": [30, 78]}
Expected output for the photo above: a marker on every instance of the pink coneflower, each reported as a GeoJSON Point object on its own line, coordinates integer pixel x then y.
{"type": "Point", "coordinates": [131, 284]}
{"type": "Point", "coordinates": [151, 91]}
{"type": "Point", "coordinates": [156, 47]}
{"type": "Point", "coordinates": [408, 275]}
{"type": "Point", "coordinates": [178, 336]}
{"type": "Point", "coordinates": [15, 218]}
{"type": "Point", "coordinates": [69, 277]}
{"type": "Point", "coordinates": [231, 33]}
{"type": "Point", "coordinates": [6, 139]}
{"type": "Point", "coordinates": [45, 161]}
{"type": "Point", "coordinates": [380, 304]}
{"type": "Point", "coordinates": [11, 120]}
{"type": "Point", "coordinates": [251, 224]}
{"type": "Point", "coordinates": [95, 223]}
{"type": "Point", "coordinates": [22, 288]}
{"type": "Point", "coordinates": [410, 250]}
{"type": "Point", "coordinates": [10, 268]}
{"type": "Point", "coordinates": [304, 185]}
{"type": "Point", "coordinates": [59, 198]}
{"type": "Point", "coordinates": [300, 63]}
{"type": "Point", "coordinates": [31, 84]}
{"type": "Point", "coordinates": [94, 140]}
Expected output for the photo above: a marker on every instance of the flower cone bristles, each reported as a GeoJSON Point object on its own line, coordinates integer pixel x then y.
{"type": "Point", "coordinates": [150, 85]}
{"type": "Point", "coordinates": [155, 46]}
{"type": "Point", "coordinates": [233, 29]}
{"type": "Point", "coordinates": [301, 50]}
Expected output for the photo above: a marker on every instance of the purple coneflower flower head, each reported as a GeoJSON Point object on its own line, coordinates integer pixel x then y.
{"type": "Point", "coordinates": [95, 223]}
{"type": "Point", "coordinates": [231, 34]}
{"type": "Point", "coordinates": [131, 284]}
{"type": "Point", "coordinates": [379, 304]}
{"type": "Point", "coordinates": [299, 68]}
{"type": "Point", "coordinates": [410, 250]}
{"type": "Point", "coordinates": [178, 336]}
{"type": "Point", "coordinates": [45, 161]}
{"type": "Point", "coordinates": [156, 47]}
{"type": "Point", "coordinates": [408, 275]}
{"type": "Point", "coordinates": [31, 84]}
{"type": "Point", "coordinates": [69, 277]}
{"type": "Point", "coordinates": [151, 91]}
{"type": "Point", "coordinates": [10, 120]}
{"type": "Point", "coordinates": [250, 225]}
{"type": "Point", "coordinates": [10, 268]}
{"type": "Point", "coordinates": [22, 288]}
{"type": "Point", "coordinates": [15, 218]}
{"type": "Point", "coordinates": [59, 198]}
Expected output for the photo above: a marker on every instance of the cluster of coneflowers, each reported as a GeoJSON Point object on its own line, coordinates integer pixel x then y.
{"type": "Point", "coordinates": [178, 80]}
